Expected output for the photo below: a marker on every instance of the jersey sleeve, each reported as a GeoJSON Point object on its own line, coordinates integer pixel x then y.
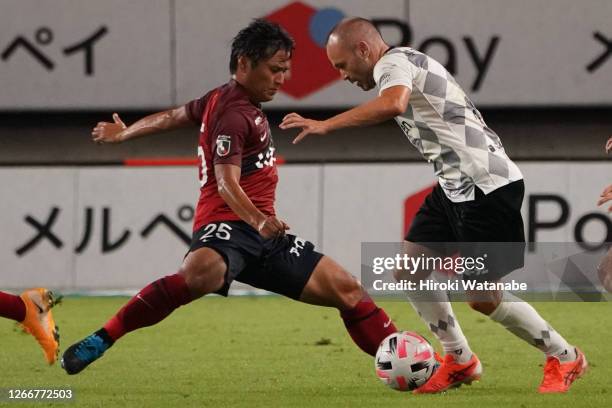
{"type": "Point", "coordinates": [228, 138]}
{"type": "Point", "coordinates": [195, 108]}
{"type": "Point", "coordinates": [391, 71]}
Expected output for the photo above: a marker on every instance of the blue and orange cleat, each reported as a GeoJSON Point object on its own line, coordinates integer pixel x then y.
{"type": "Point", "coordinates": [558, 376]}
{"type": "Point", "coordinates": [451, 374]}
{"type": "Point", "coordinates": [39, 321]}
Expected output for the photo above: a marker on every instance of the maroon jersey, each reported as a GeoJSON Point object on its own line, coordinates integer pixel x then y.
{"type": "Point", "coordinates": [233, 131]}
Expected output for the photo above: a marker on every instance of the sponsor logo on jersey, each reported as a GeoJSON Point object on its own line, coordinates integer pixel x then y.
{"type": "Point", "coordinates": [224, 143]}
{"type": "Point", "coordinates": [266, 159]}
{"type": "Point", "coordinates": [384, 79]}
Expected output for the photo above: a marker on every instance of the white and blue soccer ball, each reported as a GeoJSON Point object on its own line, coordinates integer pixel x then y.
{"type": "Point", "coordinates": [405, 361]}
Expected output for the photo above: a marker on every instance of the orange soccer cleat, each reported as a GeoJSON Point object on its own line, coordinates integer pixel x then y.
{"type": "Point", "coordinates": [452, 374]}
{"type": "Point", "coordinates": [558, 376]}
{"type": "Point", "coordinates": [39, 321]}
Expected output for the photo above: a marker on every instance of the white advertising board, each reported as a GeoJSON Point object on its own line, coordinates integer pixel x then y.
{"type": "Point", "coordinates": [106, 228]}
{"type": "Point", "coordinates": [146, 54]}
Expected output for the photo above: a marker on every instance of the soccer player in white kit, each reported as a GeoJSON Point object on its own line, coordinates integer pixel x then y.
{"type": "Point", "coordinates": [478, 197]}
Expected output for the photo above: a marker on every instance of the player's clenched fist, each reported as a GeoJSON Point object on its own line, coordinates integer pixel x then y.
{"type": "Point", "coordinates": [106, 132]}
{"type": "Point", "coordinates": [272, 227]}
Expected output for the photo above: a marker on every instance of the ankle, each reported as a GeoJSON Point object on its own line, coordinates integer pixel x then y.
{"type": "Point", "coordinates": [106, 338]}
{"type": "Point", "coordinates": [566, 355]}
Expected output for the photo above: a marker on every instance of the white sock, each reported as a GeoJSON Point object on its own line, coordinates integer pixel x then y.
{"type": "Point", "coordinates": [436, 311]}
{"type": "Point", "coordinates": [521, 319]}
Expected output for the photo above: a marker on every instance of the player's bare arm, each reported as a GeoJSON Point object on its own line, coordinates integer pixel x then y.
{"type": "Point", "coordinates": [117, 131]}
{"type": "Point", "coordinates": [392, 102]}
{"type": "Point", "coordinates": [228, 182]}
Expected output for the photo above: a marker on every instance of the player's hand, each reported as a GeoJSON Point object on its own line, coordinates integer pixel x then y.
{"type": "Point", "coordinates": [606, 196]}
{"type": "Point", "coordinates": [106, 132]}
{"type": "Point", "coordinates": [609, 145]}
{"type": "Point", "coordinates": [308, 126]}
{"type": "Point", "coordinates": [272, 227]}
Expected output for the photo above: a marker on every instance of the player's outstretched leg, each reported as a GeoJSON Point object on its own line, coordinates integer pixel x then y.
{"type": "Point", "coordinates": [564, 362]}
{"type": "Point", "coordinates": [331, 285]}
{"type": "Point", "coordinates": [460, 365]}
{"type": "Point", "coordinates": [33, 310]}
{"type": "Point", "coordinates": [202, 272]}
{"type": "Point", "coordinates": [604, 270]}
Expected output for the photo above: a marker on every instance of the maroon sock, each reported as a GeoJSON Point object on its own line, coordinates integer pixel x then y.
{"type": "Point", "coordinates": [150, 306]}
{"type": "Point", "coordinates": [12, 307]}
{"type": "Point", "coordinates": [367, 324]}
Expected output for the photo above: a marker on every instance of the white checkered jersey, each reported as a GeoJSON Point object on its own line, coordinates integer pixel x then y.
{"type": "Point", "coordinates": [445, 126]}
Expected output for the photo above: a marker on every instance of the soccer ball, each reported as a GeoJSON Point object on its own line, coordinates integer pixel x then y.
{"type": "Point", "coordinates": [405, 361]}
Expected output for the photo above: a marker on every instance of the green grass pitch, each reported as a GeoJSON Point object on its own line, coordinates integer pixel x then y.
{"type": "Point", "coordinates": [274, 352]}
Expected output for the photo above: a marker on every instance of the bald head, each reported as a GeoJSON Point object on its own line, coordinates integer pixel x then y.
{"type": "Point", "coordinates": [354, 47]}
{"type": "Point", "coordinates": [350, 31]}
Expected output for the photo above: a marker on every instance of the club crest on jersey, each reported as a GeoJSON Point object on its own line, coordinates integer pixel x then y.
{"type": "Point", "coordinates": [258, 120]}
{"type": "Point", "coordinates": [223, 145]}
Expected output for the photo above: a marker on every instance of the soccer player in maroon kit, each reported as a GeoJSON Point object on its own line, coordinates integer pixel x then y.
{"type": "Point", "coordinates": [237, 235]}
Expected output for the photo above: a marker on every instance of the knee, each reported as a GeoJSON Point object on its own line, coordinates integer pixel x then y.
{"type": "Point", "coordinates": [485, 308]}
{"type": "Point", "coordinates": [203, 277]}
{"type": "Point", "coordinates": [604, 271]}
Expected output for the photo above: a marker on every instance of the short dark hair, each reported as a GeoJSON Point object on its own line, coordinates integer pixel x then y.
{"type": "Point", "coordinates": [260, 40]}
